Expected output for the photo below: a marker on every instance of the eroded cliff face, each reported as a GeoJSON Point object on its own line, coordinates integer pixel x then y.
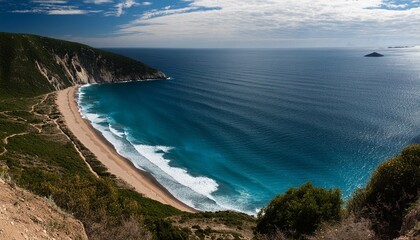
{"type": "Point", "coordinates": [31, 65]}
{"type": "Point", "coordinates": [90, 67]}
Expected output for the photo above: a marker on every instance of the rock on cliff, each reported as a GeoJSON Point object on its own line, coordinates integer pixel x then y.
{"type": "Point", "coordinates": [32, 64]}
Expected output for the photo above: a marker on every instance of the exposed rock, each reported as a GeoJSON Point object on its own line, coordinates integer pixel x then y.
{"type": "Point", "coordinates": [24, 215]}
{"type": "Point", "coordinates": [410, 228]}
{"type": "Point", "coordinates": [38, 65]}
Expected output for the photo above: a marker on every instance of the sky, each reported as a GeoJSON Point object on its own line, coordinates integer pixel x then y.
{"type": "Point", "coordinates": [218, 23]}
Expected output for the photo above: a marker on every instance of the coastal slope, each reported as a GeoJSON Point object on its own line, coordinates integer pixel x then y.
{"type": "Point", "coordinates": [40, 152]}
{"type": "Point", "coordinates": [117, 165]}
{"type": "Point", "coordinates": [33, 65]}
{"type": "Point", "coordinates": [27, 216]}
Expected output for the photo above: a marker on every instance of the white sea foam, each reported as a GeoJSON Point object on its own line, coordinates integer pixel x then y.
{"type": "Point", "coordinates": [153, 155]}
{"type": "Point", "coordinates": [236, 203]}
{"type": "Point", "coordinates": [200, 185]}
{"type": "Point", "coordinates": [115, 131]}
{"type": "Point", "coordinates": [95, 118]}
{"type": "Point", "coordinates": [203, 185]}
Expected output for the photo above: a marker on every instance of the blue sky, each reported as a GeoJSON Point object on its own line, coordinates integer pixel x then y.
{"type": "Point", "coordinates": [218, 23]}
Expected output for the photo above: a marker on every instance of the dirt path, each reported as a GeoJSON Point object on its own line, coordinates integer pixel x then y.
{"type": "Point", "coordinates": [6, 139]}
{"type": "Point", "coordinates": [38, 103]}
{"type": "Point", "coordinates": [39, 129]}
{"type": "Point", "coordinates": [77, 149]}
{"type": "Point", "coordinates": [4, 151]}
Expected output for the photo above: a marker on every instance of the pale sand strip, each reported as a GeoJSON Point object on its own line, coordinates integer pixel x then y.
{"type": "Point", "coordinates": [142, 182]}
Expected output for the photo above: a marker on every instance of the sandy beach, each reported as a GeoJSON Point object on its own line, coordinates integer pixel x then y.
{"type": "Point", "coordinates": [142, 182]}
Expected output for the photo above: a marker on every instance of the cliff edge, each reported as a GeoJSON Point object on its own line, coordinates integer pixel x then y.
{"type": "Point", "coordinates": [33, 65]}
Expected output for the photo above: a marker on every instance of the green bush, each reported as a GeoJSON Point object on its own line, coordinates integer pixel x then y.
{"type": "Point", "coordinates": [300, 210]}
{"type": "Point", "coordinates": [393, 187]}
{"type": "Point", "coordinates": [165, 230]}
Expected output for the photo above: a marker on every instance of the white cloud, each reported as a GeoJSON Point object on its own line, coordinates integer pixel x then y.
{"type": "Point", "coordinates": [56, 11]}
{"type": "Point", "coordinates": [67, 12]}
{"type": "Point", "coordinates": [98, 1]}
{"type": "Point", "coordinates": [125, 4]}
{"type": "Point", "coordinates": [55, 7]}
{"type": "Point", "coordinates": [50, 1]}
{"type": "Point", "coordinates": [164, 12]}
{"type": "Point", "coordinates": [273, 21]}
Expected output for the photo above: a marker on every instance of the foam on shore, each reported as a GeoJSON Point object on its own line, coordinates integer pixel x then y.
{"type": "Point", "coordinates": [195, 191]}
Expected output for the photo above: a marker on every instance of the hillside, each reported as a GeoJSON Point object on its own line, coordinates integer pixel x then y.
{"type": "Point", "coordinates": [31, 65]}
{"type": "Point", "coordinates": [24, 215]}
{"type": "Point", "coordinates": [41, 155]}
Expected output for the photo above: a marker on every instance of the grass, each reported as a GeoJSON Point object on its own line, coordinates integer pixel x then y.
{"type": "Point", "coordinates": [20, 54]}
{"type": "Point", "coordinates": [48, 164]}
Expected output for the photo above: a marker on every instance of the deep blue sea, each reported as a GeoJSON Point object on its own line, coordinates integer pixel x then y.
{"type": "Point", "coordinates": [232, 128]}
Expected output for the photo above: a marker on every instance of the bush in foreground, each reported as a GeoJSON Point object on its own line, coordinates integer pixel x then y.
{"type": "Point", "coordinates": [392, 189]}
{"type": "Point", "coordinates": [300, 210]}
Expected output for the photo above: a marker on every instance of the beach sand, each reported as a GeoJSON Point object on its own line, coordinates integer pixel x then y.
{"type": "Point", "coordinates": [142, 181]}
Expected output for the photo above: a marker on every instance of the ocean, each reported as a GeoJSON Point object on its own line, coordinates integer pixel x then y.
{"type": "Point", "coordinates": [232, 128]}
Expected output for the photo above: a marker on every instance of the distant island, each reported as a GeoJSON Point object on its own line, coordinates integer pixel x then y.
{"type": "Point", "coordinates": [401, 47]}
{"type": "Point", "coordinates": [374, 54]}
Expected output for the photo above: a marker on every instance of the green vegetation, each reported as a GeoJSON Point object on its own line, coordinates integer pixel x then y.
{"type": "Point", "coordinates": [216, 225]}
{"type": "Point", "coordinates": [300, 210]}
{"type": "Point", "coordinates": [392, 189]}
{"type": "Point", "coordinates": [387, 207]}
{"type": "Point", "coordinates": [42, 155]}
{"type": "Point", "coordinates": [108, 208]}
{"type": "Point", "coordinates": [40, 158]}
{"type": "Point", "coordinates": [21, 54]}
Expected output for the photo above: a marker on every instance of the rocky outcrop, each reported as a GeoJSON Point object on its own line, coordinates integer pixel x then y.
{"type": "Point", "coordinates": [32, 65]}
{"type": "Point", "coordinates": [89, 66]}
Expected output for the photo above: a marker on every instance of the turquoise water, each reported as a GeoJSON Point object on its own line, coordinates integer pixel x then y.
{"type": "Point", "coordinates": [233, 128]}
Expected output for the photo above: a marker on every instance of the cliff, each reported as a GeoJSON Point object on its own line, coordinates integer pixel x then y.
{"type": "Point", "coordinates": [32, 65]}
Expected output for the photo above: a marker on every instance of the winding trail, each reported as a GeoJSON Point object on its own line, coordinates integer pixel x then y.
{"type": "Point", "coordinates": [4, 151]}
{"type": "Point", "coordinates": [6, 139]}
{"type": "Point", "coordinates": [77, 149]}
{"type": "Point", "coordinates": [38, 103]}
{"type": "Point", "coordinates": [39, 129]}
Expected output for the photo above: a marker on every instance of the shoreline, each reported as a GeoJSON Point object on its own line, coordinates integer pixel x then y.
{"type": "Point", "coordinates": [143, 182]}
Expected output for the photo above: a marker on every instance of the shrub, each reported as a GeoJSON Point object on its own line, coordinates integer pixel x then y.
{"type": "Point", "coordinates": [277, 235]}
{"type": "Point", "coordinates": [165, 230]}
{"type": "Point", "coordinates": [350, 228]}
{"type": "Point", "coordinates": [299, 211]}
{"type": "Point", "coordinates": [392, 188]}
{"type": "Point", "coordinates": [127, 229]}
